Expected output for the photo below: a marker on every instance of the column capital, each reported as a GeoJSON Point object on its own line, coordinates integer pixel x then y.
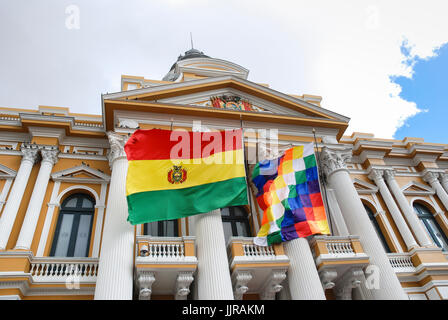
{"type": "Point", "coordinates": [30, 152]}
{"type": "Point", "coordinates": [443, 177]}
{"type": "Point", "coordinates": [389, 174]}
{"type": "Point", "coordinates": [376, 174]}
{"type": "Point", "coordinates": [49, 155]}
{"type": "Point", "coordinates": [117, 142]}
{"type": "Point", "coordinates": [431, 177]}
{"type": "Point", "coordinates": [334, 160]}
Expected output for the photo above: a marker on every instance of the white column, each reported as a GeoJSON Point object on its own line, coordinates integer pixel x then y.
{"type": "Point", "coordinates": [115, 269]}
{"type": "Point", "coordinates": [444, 179]}
{"type": "Point", "coordinates": [408, 211]}
{"type": "Point", "coordinates": [303, 279]}
{"type": "Point", "coordinates": [8, 217]}
{"type": "Point", "coordinates": [432, 179]}
{"type": "Point", "coordinates": [49, 158]}
{"type": "Point", "coordinates": [5, 191]}
{"type": "Point", "coordinates": [358, 223]}
{"type": "Point", "coordinates": [213, 279]}
{"type": "Point", "coordinates": [377, 176]}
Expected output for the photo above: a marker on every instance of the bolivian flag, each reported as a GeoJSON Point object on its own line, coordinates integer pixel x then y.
{"type": "Point", "coordinates": [175, 174]}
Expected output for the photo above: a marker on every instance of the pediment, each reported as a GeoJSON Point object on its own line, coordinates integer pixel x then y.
{"type": "Point", "coordinates": [206, 92]}
{"type": "Point", "coordinates": [364, 187]}
{"type": "Point", "coordinates": [6, 173]}
{"type": "Point", "coordinates": [415, 188]}
{"type": "Point", "coordinates": [81, 174]}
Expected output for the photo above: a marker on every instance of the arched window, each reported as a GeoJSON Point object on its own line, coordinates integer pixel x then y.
{"type": "Point", "coordinates": [74, 227]}
{"type": "Point", "coordinates": [166, 228]}
{"type": "Point", "coordinates": [377, 228]}
{"type": "Point", "coordinates": [431, 226]}
{"type": "Point", "coordinates": [235, 222]}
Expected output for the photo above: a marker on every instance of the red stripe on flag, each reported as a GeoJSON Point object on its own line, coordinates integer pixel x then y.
{"type": "Point", "coordinates": [159, 144]}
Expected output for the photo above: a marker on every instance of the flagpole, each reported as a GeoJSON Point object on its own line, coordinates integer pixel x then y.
{"type": "Point", "coordinates": [323, 180]}
{"type": "Point", "coordinates": [247, 172]}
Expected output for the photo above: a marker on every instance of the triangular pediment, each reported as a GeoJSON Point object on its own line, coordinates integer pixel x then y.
{"type": "Point", "coordinates": [6, 173]}
{"type": "Point", "coordinates": [81, 174]}
{"type": "Point", "coordinates": [415, 188]}
{"type": "Point", "coordinates": [364, 187]}
{"type": "Point", "coordinates": [228, 92]}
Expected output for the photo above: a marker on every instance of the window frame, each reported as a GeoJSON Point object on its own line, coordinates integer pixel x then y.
{"type": "Point", "coordinates": [160, 228]}
{"type": "Point", "coordinates": [376, 225]}
{"type": "Point", "coordinates": [232, 218]}
{"type": "Point", "coordinates": [77, 212]}
{"type": "Point", "coordinates": [425, 215]}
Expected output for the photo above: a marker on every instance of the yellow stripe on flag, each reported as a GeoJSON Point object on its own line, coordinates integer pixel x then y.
{"type": "Point", "coordinates": [152, 175]}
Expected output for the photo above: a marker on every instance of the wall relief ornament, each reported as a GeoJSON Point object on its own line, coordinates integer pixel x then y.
{"type": "Point", "coordinates": [117, 142]}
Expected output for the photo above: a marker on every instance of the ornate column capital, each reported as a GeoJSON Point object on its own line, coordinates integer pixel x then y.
{"type": "Point", "coordinates": [240, 279]}
{"type": "Point", "coordinates": [376, 174]}
{"type": "Point", "coordinates": [389, 174]}
{"type": "Point", "coordinates": [117, 142]}
{"type": "Point", "coordinates": [334, 160]}
{"type": "Point", "coordinates": [183, 281]}
{"type": "Point", "coordinates": [30, 152]}
{"type": "Point", "coordinates": [443, 177]}
{"type": "Point", "coordinates": [431, 177]}
{"type": "Point", "coordinates": [49, 154]}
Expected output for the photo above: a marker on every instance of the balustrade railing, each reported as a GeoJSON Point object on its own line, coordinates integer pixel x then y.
{"type": "Point", "coordinates": [60, 268]}
{"type": "Point", "coordinates": [401, 262]}
{"type": "Point", "coordinates": [339, 247]}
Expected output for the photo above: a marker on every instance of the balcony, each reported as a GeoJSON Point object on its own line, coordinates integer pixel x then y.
{"type": "Point", "coordinates": [71, 271]}
{"type": "Point", "coordinates": [340, 261]}
{"type": "Point", "coordinates": [401, 263]}
{"type": "Point", "coordinates": [256, 270]}
{"type": "Point", "coordinates": [164, 266]}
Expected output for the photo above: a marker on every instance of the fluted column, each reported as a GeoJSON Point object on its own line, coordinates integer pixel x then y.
{"type": "Point", "coordinates": [303, 278]}
{"type": "Point", "coordinates": [433, 179]}
{"type": "Point", "coordinates": [412, 219]}
{"type": "Point", "coordinates": [49, 158]}
{"type": "Point", "coordinates": [377, 176]}
{"type": "Point", "coordinates": [213, 279]}
{"type": "Point", "coordinates": [115, 269]}
{"type": "Point", "coordinates": [30, 155]}
{"type": "Point", "coordinates": [358, 223]}
{"type": "Point", "coordinates": [444, 180]}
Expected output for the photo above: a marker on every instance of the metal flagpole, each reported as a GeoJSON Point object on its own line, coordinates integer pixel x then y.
{"type": "Point", "coordinates": [246, 165]}
{"type": "Point", "coordinates": [324, 182]}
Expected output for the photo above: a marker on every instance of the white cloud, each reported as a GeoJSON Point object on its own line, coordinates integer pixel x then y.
{"type": "Point", "coordinates": [344, 51]}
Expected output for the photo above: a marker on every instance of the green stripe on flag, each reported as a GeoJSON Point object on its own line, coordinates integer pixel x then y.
{"type": "Point", "coordinates": [179, 203]}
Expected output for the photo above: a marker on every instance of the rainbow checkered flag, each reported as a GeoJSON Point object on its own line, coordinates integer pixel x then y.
{"type": "Point", "coordinates": [289, 195]}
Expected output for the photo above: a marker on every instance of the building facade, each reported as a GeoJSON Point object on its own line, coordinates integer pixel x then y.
{"type": "Point", "coordinates": [63, 213]}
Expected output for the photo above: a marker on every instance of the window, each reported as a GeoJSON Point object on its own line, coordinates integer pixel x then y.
{"type": "Point", "coordinates": [74, 226]}
{"type": "Point", "coordinates": [166, 228]}
{"type": "Point", "coordinates": [377, 228]}
{"type": "Point", "coordinates": [235, 222]}
{"type": "Point", "coordinates": [431, 226]}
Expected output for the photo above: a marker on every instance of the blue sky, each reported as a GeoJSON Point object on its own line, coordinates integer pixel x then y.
{"type": "Point", "coordinates": [428, 88]}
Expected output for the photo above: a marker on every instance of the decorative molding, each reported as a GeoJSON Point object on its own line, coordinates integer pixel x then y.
{"type": "Point", "coordinates": [367, 188]}
{"type": "Point", "coordinates": [350, 280]}
{"type": "Point", "coordinates": [145, 280]}
{"type": "Point", "coordinates": [273, 284]}
{"type": "Point", "coordinates": [240, 279]}
{"type": "Point", "coordinates": [70, 175]}
{"type": "Point", "coordinates": [183, 281]}
{"type": "Point", "coordinates": [326, 278]}
{"type": "Point", "coordinates": [414, 188]}
{"type": "Point", "coordinates": [7, 173]}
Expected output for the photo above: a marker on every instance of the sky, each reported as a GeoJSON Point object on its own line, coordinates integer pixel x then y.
{"type": "Point", "coordinates": [369, 60]}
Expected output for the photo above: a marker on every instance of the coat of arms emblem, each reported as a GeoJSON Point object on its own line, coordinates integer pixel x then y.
{"type": "Point", "coordinates": [177, 175]}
